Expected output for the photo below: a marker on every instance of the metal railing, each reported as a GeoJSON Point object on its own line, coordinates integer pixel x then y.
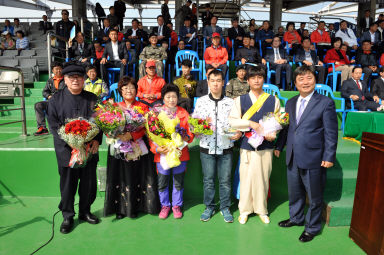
{"type": "Point", "coordinates": [49, 51]}
{"type": "Point", "coordinates": [14, 89]}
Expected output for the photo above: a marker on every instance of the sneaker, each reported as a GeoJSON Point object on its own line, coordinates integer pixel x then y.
{"type": "Point", "coordinates": [177, 213]}
{"type": "Point", "coordinates": [264, 218]}
{"type": "Point", "coordinates": [243, 219]}
{"type": "Point", "coordinates": [41, 131]}
{"type": "Point", "coordinates": [227, 215]}
{"type": "Point", "coordinates": [207, 214]}
{"type": "Point", "coordinates": [164, 212]}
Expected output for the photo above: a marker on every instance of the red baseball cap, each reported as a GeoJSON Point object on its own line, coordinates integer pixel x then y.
{"type": "Point", "coordinates": [150, 64]}
{"type": "Point", "coordinates": [216, 35]}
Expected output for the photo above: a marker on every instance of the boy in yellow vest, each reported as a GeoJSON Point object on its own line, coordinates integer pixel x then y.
{"type": "Point", "coordinates": [94, 84]}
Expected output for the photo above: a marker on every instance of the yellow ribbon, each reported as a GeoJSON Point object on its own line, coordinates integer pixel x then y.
{"type": "Point", "coordinates": [352, 140]}
{"type": "Point", "coordinates": [256, 106]}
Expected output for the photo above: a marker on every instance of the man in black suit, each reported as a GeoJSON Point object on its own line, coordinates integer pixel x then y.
{"type": "Point", "coordinates": [248, 54]}
{"type": "Point", "coordinates": [378, 87]}
{"type": "Point", "coordinates": [103, 35]}
{"type": "Point", "coordinates": [357, 90]}
{"type": "Point", "coordinates": [162, 31]}
{"type": "Point", "coordinates": [236, 34]}
{"type": "Point", "coordinates": [306, 56]}
{"type": "Point", "coordinates": [135, 34]}
{"type": "Point", "coordinates": [207, 15]}
{"type": "Point", "coordinates": [366, 21]}
{"type": "Point", "coordinates": [367, 60]}
{"type": "Point", "coordinates": [118, 56]}
{"type": "Point", "coordinates": [301, 29]}
{"type": "Point", "coordinates": [278, 61]}
{"type": "Point", "coordinates": [80, 51]}
{"type": "Point", "coordinates": [45, 25]}
{"type": "Point", "coordinates": [188, 33]}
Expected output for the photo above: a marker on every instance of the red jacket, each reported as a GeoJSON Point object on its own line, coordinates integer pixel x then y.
{"type": "Point", "coordinates": [174, 38]}
{"type": "Point", "coordinates": [140, 133]}
{"type": "Point", "coordinates": [288, 37]}
{"type": "Point", "coordinates": [144, 87]}
{"type": "Point", "coordinates": [183, 116]}
{"type": "Point", "coordinates": [382, 60]}
{"type": "Point", "coordinates": [332, 57]}
{"type": "Point", "coordinates": [214, 55]}
{"type": "Point", "coordinates": [316, 37]}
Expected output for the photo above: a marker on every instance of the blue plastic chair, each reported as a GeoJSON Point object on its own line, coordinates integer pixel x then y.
{"type": "Point", "coordinates": [197, 64]}
{"type": "Point", "coordinates": [334, 75]}
{"type": "Point", "coordinates": [112, 71]}
{"type": "Point", "coordinates": [116, 95]}
{"type": "Point", "coordinates": [283, 74]}
{"type": "Point", "coordinates": [274, 91]}
{"type": "Point", "coordinates": [325, 90]}
{"type": "Point", "coordinates": [226, 76]}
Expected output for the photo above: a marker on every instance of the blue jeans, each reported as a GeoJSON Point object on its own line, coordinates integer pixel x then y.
{"type": "Point", "coordinates": [220, 165]}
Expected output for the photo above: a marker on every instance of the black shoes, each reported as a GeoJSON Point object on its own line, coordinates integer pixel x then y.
{"type": "Point", "coordinates": [66, 226]}
{"type": "Point", "coordinates": [41, 131]}
{"type": "Point", "coordinates": [288, 223]}
{"type": "Point", "coordinates": [89, 217]}
{"type": "Point", "coordinates": [306, 237]}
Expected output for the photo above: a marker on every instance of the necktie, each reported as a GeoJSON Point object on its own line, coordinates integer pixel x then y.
{"type": "Point", "coordinates": [160, 32]}
{"type": "Point", "coordinates": [106, 30]}
{"type": "Point", "coordinates": [277, 55]}
{"type": "Point", "coordinates": [301, 110]}
{"type": "Point", "coordinates": [358, 84]}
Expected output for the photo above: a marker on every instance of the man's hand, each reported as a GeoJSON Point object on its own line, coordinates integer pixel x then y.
{"type": "Point", "coordinates": [263, 61]}
{"type": "Point", "coordinates": [373, 68]}
{"type": "Point", "coordinates": [270, 137]}
{"type": "Point", "coordinates": [354, 97]}
{"type": "Point", "coordinates": [70, 43]}
{"type": "Point", "coordinates": [124, 61]}
{"type": "Point", "coordinates": [375, 98]}
{"type": "Point", "coordinates": [326, 164]}
{"type": "Point", "coordinates": [94, 146]}
{"type": "Point", "coordinates": [188, 86]}
{"type": "Point", "coordinates": [320, 63]}
{"type": "Point", "coordinates": [103, 61]}
{"type": "Point", "coordinates": [236, 136]}
{"type": "Point", "coordinates": [243, 61]}
{"type": "Point", "coordinates": [49, 97]}
{"type": "Point", "coordinates": [254, 125]}
{"type": "Point", "coordinates": [268, 40]}
{"type": "Point", "coordinates": [307, 63]}
{"type": "Point", "coordinates": [188, 35]}
{"type": "Point", "coordinates": [277, 153]}
{"type": "Point", "coordinates": [84, 60]}
{"type": "Point", "coordinates": [353, 61]}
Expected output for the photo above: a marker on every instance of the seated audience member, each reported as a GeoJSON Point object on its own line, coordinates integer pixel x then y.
{"type": "Point", "coordinates": [347, 35]}
{"type": "Point", "coordinates": [118, 56]}
{"type": "Point", "coordinates": [308, 57]}
{"type": "Point", "coordinates": [79, 50]}
{"type": "Point", "coordinates": [202, 88]}
{"type": "Point", "coordinates": [120, 35]}
{"type": "Point", "coordinates": [145, 40]}
{"type": "Point", "coordinates": [372, 36]}
{"type": "Point", "coordinates": [340, 59]}
{"type": "Point", "coordinates": [174, 37]}
{"type": "Point", "coordinates": [173, 47]}
{"type": "Point", "coordinates": [216, 56]}
{"type": "Point", "coordinates": [367, 60]}
{"type": "Point", "coordinates": [187, 86]}
{"type": "Point", "coordinates": [292, 37]}
{"type": "Point", "coordinates": [181, 45]}
{"type": "Point", "coordinates": [94, 84]}
{"type": "Point", "coordinates": [208, 31]}
{"type": "Point", "coordinates": [331, 31]}
{"type": "Point", "coordinates": [322, 39]}
{"type": "Point", "coordinates": [8, 27]}
{"type": "Point", "coordinates": [188, 34]}
{"type": "Point", "coordinates": [161, 30]}
{"type": "Point", "coordinates": [149, 87]}
{"type": "Point", "coordinates": [113, 19]}
{"type": "Point", "coordinates": [248, 54]}
{"type": "Point", "coordinates": [53, 85]}
{"type": "Point", "coordinates": [132, 52]}
{"type": "Point", "coordinates": [237, 86]}
{"type": "Point", "coordinates": [301, 29]}
{"type": "Point", "coordinates": [265, 35]}
{"type": "Point", "coordinates": [236, 33]}
{"type": "Point", "coordinates": [22, 42]}
{"type": "Point", "coordinates": [305, 33]}
{"type": "Point", "coordinates": [252, 42]}
{"type": "Point", "coordinates": [134, 35]}
{"type": "Point", "coordinates": [380, 31]}
{"type": "Point", "coordinates": [17, 26]}
{"type": "Point", "coordinates": [154, 53]}
{"type": "Point", "coordinates": [278, 61]}
{"type": "Point", "coordinates": [45, 25]}
{"type": "Point", "coordinates": [98, 52]}
{"type": "Point", "coordinates": [103, 35]}
{"type": "Point", "coordinates": [378, 87]}
{"type": "Point", "coordinates": [7, 42]}
{"type": "Point", "coordinates": [281, 32]}
{"type": "Point", "coordinates": [358, 92]}
{"type": "Point", "coordinates": [253, 33]}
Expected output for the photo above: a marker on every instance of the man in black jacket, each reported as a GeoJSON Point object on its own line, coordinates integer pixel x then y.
{"type": "Point", "coordinates": [378, 87]}
{"type": "Point", "coordinates": [103, 34]}
{"type": "Point", "coordinates": [63, 31]}
{"type": "Point", "coordinates": [162, 31]}
{"type": "Point", "coordinates": [135, 34]}
{"type": "Point", "coordinates": [306, 56]}
{"type": "Point", "coordinates": [365, 21]}
{"type": "Point", "coordinates": [367, 60]}
{"type": "Point", "coordinates": [249, 54]}
{"type": "Point", "coordinates": [80, 51]}
{"type": "Point", "coordinates": [118, 56]}
{"type": "Point", "coordinates": [68, 103]}
{"type": "Point", "coordinates": [52, 86]}
{"type": "Point", "coordinates": [120, 12]}
{"type": "Point", "coordinates": [236, 34]}
{"type": "Point", "coordinates": [165, 12]}
{"type": "Point", "coordinates": [207, 15]}
{"type": "Point", "coordinates": [45, 25]}
{"type": "Point", "coordinates": [356, 90]}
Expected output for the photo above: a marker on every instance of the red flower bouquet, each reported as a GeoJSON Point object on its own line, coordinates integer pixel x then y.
{"type": "Point", "coordinates": [77, 132]}
{"type": "Point", "coordinates": [200, 126]}
{"type": "Point", "coordinates": [110, 118]}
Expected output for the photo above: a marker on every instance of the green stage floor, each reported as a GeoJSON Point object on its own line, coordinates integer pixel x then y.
{"type": "Point", "coordinates": [25, 224]}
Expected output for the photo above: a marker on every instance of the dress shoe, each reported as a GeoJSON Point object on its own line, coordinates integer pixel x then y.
{"type": "Point", "coordinates": [89, 217]}
{"type": "Point", "coordinates": [119, 216]}
{"type": "Point", "coordinates": [66, 226]}
{"type": "Point", "coordinates": [306, 237]}
{"type": "Point", "coordinates": [288, 223]}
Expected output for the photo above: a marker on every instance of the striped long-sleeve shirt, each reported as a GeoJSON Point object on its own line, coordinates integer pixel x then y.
{"type": "Point", "coordinates": [22, 43]}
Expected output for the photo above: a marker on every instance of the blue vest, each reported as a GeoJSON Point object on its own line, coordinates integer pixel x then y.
{"type": "Point", "coordinates": [268, 106]}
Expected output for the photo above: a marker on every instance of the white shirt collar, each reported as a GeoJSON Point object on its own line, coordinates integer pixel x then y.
{"type": "Point", "coordinates": [307, 98]}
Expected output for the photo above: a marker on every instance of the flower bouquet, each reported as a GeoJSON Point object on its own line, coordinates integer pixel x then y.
{"type": "Point", "coordinates": [161, 129]}
{"type": "Point", "coordinates": [110, 118]}
{"type": "Point", "coordinates": [200, 126]}
{"type": "Point", "coordinates": [380, 108]}
{"type": "Point", "coordinates": [269, 125]}
{"type": "Point", "coordinates": [77, 132]}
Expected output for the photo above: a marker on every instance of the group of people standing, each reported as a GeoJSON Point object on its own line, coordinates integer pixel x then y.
{"type": "Point", "coordinates": [142, 186]}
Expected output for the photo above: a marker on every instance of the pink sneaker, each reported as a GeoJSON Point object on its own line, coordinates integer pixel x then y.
{"type": "Point", "coordinates": [164, 212]}
{"type": "Point", "coordinates": [177, 213]}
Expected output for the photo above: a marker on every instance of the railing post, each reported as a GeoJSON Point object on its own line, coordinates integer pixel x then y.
{"type": "Point", "coordinates": [23, 117]}
{"type": "Point", "coordinates": [92, 33]}
{"type": "Point", "coordinates": [82, 25]}
{"type": "Point", "coordinates": [49, 50]}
